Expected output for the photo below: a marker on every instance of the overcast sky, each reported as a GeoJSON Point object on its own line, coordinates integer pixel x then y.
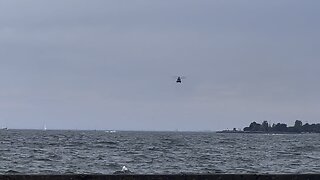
{"type": "Point", "coordinates": [110, 64]}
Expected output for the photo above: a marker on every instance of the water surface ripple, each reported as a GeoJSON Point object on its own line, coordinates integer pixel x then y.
{"type": "Point", "coordinates": [100, 152]}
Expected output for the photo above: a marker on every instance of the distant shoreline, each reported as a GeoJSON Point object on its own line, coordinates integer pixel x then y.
{"type": "Point", "coordinates": [279, 128]}
{"type": "Point", "coordinates": [261, 132]}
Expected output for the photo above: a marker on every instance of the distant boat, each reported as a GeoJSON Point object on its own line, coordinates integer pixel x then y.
{"type": "Point", "coordinates": [110, 131]}
{"type": "Point", "coordinates": [44, 127]}
{"type": "Point", "coordinates": [4, 128]}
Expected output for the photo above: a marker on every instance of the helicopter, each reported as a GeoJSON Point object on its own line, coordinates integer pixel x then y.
{"type": "Point", "coordinates": [179, 78]}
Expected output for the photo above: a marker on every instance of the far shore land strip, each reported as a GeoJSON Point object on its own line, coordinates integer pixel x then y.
{"type": "Point", "coordinates": [279, 128]}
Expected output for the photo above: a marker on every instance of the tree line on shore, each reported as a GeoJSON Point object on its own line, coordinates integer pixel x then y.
{"type": "Point", "coordinates": [281, 127]}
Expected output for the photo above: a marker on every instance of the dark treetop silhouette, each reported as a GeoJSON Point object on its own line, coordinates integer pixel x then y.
{"type": "Point", "coordinates": [265, 127]}
{"type": "Point", "coordinates": [280, 127]}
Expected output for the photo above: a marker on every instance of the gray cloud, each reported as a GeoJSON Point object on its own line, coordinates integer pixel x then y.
{"type": "Point", "coordinates": [109, 64]}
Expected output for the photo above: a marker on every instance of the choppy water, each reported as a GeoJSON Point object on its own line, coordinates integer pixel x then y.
{"type": "Point", "coordinates": [90, 152]}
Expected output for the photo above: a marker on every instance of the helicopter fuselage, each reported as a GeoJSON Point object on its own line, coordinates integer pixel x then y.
{"type": "Point", "coordinates": [178, 80]}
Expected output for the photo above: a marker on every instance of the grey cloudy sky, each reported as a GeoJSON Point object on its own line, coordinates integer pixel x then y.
{"type": "Point", "coordinates": [98, 64]}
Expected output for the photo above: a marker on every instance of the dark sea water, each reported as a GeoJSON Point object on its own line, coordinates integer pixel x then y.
{"type": "Point", "coordinates": [101, 152]}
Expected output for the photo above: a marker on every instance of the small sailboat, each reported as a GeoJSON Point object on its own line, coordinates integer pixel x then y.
{"type": "Point", "coordinates": [44, 127]}
{"type": "Point", "coordinates": [4, 127]}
